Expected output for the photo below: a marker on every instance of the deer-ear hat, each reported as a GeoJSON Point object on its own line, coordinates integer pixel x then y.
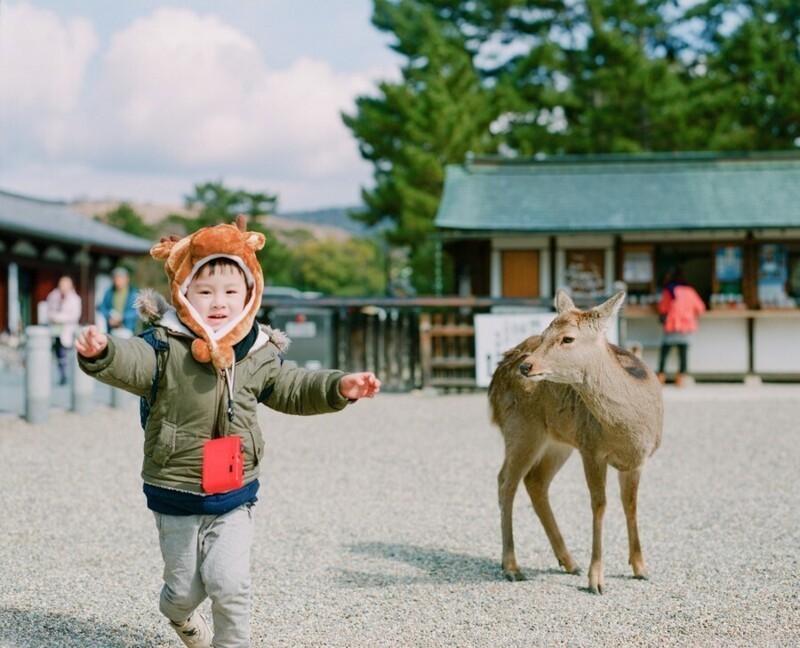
{"type": "Point", "coordinates": [185, 256]}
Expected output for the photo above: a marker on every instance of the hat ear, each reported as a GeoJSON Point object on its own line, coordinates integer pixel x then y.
{"type": "Point", "coordinates": [162, 249]}
{"type": "Point", "coordinates": [255, 240]}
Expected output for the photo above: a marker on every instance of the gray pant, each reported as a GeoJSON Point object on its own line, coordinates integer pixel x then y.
{"type": "Point", "coordinates": [209, 555]}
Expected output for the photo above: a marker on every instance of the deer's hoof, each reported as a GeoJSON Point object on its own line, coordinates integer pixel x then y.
{"type": "Point", "coordinates": [642, 576]}
{"type": "Point", "coordinates": [569, 566]}
{"type": "Point", "coordinates": [596, 581]}
{"type": "Point", "coordinates": [513, 576]}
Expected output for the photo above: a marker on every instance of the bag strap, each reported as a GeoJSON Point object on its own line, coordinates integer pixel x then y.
{"type": "Point", "coordinates": [158, 345]}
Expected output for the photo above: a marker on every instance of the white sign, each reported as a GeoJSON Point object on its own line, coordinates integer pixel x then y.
{"type": "Point", "coordinates": [301, 329]}
{"type": "Point", "coordinates": [496, 333]}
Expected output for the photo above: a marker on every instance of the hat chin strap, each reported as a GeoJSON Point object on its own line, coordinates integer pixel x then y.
{"type": "Point", "coordinates": [211, 335]}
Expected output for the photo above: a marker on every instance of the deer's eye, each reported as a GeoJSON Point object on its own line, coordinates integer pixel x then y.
{"type": "Point", "coordinates": [567, 340]}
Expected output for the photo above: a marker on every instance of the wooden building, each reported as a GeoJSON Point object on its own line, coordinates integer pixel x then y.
{"type": "Point", "coordinates": [40, 241]}
{"type": "Point", "coordinates": [590, 224]}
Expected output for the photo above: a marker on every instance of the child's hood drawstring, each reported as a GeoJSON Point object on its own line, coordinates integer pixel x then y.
{"type": "Point", "coordinates": [230, 375]}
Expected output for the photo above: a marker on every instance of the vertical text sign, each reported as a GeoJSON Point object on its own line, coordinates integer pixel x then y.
{"type": "Point", "coordinates": [496, 333]}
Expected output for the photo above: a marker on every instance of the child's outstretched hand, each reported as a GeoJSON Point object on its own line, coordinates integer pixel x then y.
{"type": "Point", "coordinates": [359, 385]}
{"type": "Point", "coordinates": [91, 343]}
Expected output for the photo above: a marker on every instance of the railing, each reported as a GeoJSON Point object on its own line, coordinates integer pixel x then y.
{"type": "Point", "coordinates": [417, 343]}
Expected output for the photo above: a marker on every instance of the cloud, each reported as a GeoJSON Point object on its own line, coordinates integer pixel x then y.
{"type": "Point", "coordinates": [187, 90]}
{"type": "Point", "coordinates": [43, 62]}
{"type": "Point", "coordinates": [177, 95]}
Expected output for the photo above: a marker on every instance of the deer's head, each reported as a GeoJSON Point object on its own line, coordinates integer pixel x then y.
{"type": "Point", "coordinates": [574, 341]}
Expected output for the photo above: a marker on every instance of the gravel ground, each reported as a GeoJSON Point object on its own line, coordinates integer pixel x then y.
{"type": "Point", "coordinates": [379, 526]}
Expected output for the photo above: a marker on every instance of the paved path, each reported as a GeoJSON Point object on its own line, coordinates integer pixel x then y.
{"type": "Point", "coordinates": [378, 526]}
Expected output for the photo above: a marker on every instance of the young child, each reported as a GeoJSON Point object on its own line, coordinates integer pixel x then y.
{"type": "Point", "coordinates": [215, 365]}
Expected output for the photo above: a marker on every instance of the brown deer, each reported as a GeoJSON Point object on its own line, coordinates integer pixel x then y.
{"type": "Point", "coordinates": [570, 388]}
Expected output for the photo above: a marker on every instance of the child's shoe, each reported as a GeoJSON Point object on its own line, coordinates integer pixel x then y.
{"type": "Point", "coordinates": [194, 632]}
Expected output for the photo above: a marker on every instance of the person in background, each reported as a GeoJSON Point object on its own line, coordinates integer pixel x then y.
{"type": "Point", "coordinates": [64, 307]}
{"type": "Point", "coordinates": [118, 304]}
{"type": "Point", "coordinates": [679, 308]}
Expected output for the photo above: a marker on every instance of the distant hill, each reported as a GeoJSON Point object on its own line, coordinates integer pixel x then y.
{"type": "Point", "coordinates": [151, 213]}
{"type": "Point", "coordinates": [332, 222]}
{"type": "Point", "coordinates": [332, 217]}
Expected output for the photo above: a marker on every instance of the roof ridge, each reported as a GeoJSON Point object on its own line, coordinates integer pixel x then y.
{"type": "Point", "coordinates": [44, 201]}
{"type": "Point", "coordinates": [621, 158]}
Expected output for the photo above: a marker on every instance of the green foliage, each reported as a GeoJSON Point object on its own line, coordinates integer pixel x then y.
{"type": "Point", "coordinates": [276, 259]}
{"type": "Point", "coordinates": [354, 268]}
{"type": "Point", "coordinates": [747, 96]}
{"type": "Point", "coordinates": [437, 114]}
{"type": "Point", "coordinates": [215, 203]}
{"type": "Point", "coordinates": [128, 220]}
{"type": "Point", "coordinates": [425, 276]}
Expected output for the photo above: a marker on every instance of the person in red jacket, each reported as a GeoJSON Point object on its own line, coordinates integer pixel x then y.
{"type": "Point", "coordinates": [679, 307]}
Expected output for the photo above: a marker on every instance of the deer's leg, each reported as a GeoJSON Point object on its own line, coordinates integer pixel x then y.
{"type": "Point", "coordinates": [629, 487]}
{"type": "Point", "coordinates": [537, 482]}
{"type": "Point", "coordinates": [595, 470]}
{"type": "Point", "coordinates": [519, 458]}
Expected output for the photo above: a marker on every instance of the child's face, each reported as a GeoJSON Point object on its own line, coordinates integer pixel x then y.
{"type": "Point", "coordinates": [220, 297]}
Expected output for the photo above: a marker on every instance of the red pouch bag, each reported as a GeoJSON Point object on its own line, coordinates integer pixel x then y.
{"type": "Point", "coordinates": [222, 465]}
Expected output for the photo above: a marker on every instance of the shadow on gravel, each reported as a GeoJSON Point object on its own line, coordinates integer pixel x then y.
{"type": "Point", "coordinates": [432, 565]}
{"type": "Point", "coordinates": [41, 629]}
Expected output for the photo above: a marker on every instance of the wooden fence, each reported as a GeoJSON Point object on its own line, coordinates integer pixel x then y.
{"type": "Point", "coordinates": [447, 350]}
{"type": "Point", "coordinates": [426, 342]}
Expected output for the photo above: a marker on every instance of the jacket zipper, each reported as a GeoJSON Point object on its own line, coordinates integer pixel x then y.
{"type": "Point", "coordinates": [219, 425]}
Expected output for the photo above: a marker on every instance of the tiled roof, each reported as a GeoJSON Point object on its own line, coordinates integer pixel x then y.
{"type": "Point", "coordinates": [57, 222]}
{"type": "Point", "coordinates": [613, 193]}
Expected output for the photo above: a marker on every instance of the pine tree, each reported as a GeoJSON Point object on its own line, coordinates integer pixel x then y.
{"type": "Point", "coordinates": [746, 94]}
{"type": "Point", "coordinates": [434, 116]}
{"type": "Point", "coordinates": [600, 76]}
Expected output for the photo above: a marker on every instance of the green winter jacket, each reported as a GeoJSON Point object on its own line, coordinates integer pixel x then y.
{"type": "Point", "coordinates": [192, 399]}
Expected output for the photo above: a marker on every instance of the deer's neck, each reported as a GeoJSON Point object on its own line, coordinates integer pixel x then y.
{"type": "Point", "coordinates": [616, 399]}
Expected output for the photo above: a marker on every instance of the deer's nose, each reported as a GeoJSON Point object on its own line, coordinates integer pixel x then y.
{"type": "Point", "coordinates": [525, 368]}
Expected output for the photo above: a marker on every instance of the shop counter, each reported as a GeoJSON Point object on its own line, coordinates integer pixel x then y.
{"type": "Point", "coordinates": [730, 343]}
{"type": "Point", "coordinates": [776, 342]}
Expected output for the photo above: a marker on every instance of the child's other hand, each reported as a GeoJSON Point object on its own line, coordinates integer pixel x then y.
{"type": "Point", "coordinates": [359, 385]}
{"type": "Point", "coordinates": [91, 343]}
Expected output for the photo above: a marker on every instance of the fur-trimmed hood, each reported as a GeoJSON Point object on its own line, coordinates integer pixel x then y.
{"type": "Point", "coordinates": [153, 309]}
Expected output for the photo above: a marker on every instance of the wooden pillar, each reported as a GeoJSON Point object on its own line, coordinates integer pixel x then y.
{"type": "Point", "coordinates": [425, 348]}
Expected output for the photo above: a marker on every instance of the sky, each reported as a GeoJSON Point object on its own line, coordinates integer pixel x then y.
{"type": "Point", "coordinates": [139, 100]}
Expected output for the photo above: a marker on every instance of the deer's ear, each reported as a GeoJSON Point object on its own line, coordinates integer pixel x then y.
{"type": "Point", "coordinates": [563, 302]}
{"type": "Point", "coordinates": [608, 309]}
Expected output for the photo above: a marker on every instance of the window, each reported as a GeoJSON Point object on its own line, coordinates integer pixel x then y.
{"type": "Point", "coordinates": [585, 272]}
{"type": "Point", "coordinates": [772, 275]}
{"type": "Point", "coordinates": [728, 270]}
{"type": "Point", "coordinates": [637, 270]}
